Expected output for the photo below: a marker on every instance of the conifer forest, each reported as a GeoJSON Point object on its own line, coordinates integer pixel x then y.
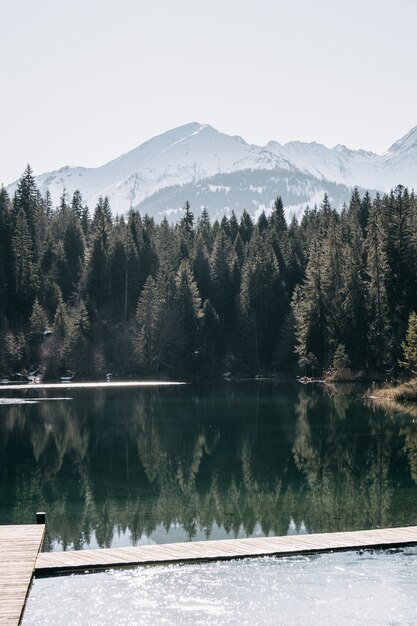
{"type": "Point", "coordinates": [87, 293]}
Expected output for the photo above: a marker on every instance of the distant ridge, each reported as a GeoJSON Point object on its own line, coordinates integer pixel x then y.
{"type": "Point", "coordinates": [225, 173]}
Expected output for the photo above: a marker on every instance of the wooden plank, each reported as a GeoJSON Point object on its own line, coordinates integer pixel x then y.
{"type": "Point", "coordinates": [19, 547]}
{"type": "Point", "coordinates": [53, 563]}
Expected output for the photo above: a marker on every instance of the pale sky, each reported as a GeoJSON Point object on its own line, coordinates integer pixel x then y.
{"type": "Point", "coordinates": [83, 81]}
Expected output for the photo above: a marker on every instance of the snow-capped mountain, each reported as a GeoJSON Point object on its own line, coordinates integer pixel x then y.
{"type": "Point", "coordinates": [209, 168]}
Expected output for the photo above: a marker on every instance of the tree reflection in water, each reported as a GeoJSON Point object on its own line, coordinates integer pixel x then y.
{"type": "Point", "coordinates": [124, 466]}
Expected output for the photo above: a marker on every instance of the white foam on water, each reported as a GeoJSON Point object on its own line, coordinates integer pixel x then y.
{"type": "Point", "coordinates": [372, 588]}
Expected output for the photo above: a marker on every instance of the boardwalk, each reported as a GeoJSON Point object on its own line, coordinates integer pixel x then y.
{"type": "Point", "coordinates": [52, 563]}
{"type": "Point", "coordinates": [19, 547]}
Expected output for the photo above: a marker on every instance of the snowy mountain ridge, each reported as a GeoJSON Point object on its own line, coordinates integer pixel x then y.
{"type": "Point", "coordinates": [214, 168]}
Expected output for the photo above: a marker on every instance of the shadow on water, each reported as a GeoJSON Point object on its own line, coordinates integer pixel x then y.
{"type": "Point", "coordinates": [128, 466]}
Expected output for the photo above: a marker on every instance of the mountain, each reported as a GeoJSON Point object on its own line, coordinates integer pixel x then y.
{"type": "Point", "coordinates": [196, 162]}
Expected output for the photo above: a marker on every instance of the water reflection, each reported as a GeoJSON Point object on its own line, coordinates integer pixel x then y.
{"type": "Point", "coordinates": [121, 466]}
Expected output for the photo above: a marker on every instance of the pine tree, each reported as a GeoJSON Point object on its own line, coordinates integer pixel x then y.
{"type": "Point", "coordinates": [354, 314]}
{"type": "Point", "coordinates": [380, 335]}
{"type": "Point", "coordinates": [25, 275]}
{"type": "Point", "coordinates": [6, 253]}
{"type": "Point", "coordinates": [333, 280]}
{"type": "Point", "coordinates": [210, 340]}
{"type": "Point", "coordinates": [409, 345]}
{"type": "Point", "coordinates": [204, 229]}
{"type": "Point", "coordinates": [188, 312]}
{"type": "Point", "coordinates": [221, 267]}
{"type": "Point", "coordinates": [263, 305]}
{"type": "Point", "coordinates": [262, 224]}
{"type": "Point", "coordinates": [340, 358]}
{"type": "Point", "coordinates": [277, 218]}
{"type": "Point", "coordinates": [38, 325]}
{"type": "Point", "coordinates": [246, 226]}
{"type": "Point", "coordinates": [240, 251]}
{"type": "Point", "coordinates": [165, 322]}
{"type": "Point", "coordinates": [145, 338]}
{"type": "Point", "coordinates": [201, 267]}
{"type": "Point", "coordinates": [401, 277]}
{"type": "Point", "coordinates": [27, 199]}
{"type": "Point", "coordinates": [77, 204]}
{"type": "Point", "coordinates": [74, 246]}
{"type": "Point", "coordinates": [38, 320]}
{"type": "Point", "coordinates": [98, 282]}
{"type": "Point", "coordinates": [79, 340]}
{"type": "Point", "coordinates": [310, 310]}
{"type": "Point", "coordinates": [233, 227]}
{"type": "Point", "coordinates": [187, 221]}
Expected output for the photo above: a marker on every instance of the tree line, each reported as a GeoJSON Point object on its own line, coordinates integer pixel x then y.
{"type": "Point", "coordinates": [93, 294]}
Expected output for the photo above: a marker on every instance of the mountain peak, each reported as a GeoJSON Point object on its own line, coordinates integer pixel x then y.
{"type": "Point", "coordinates": [406, 143]}
{"type": "Point", "coordinates": [224, 172]}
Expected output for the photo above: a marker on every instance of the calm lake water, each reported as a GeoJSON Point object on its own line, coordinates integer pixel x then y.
{"type": "Point", "coordinates": [151, 465]}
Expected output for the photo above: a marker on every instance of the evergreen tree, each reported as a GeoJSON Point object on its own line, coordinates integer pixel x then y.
{"type": "Point", "coordinates": [25, 275]}
{"type": "Point", "coordinates": [187, 221]}
{"type": "Point", "coordinates": [6, 253]}
{"type": "Point", "coordinates": [79, 340]}
{"type": "Point", "coordinates": [201, 267]}
{"type": "Point", "coordinates": [188, 312]}
{"type": "Point", "coordinates": [401, 277]}
{"type": "Point", "coordinates": [233, 227]}
{"type": "Point", "coordinates": [77, 204]}
{"type": "Point", "coordinates": [210, 341]}
{"type": "Point", "coordinates": [27, 200]}
{"type": "Point", "coordinates": [246, 226]}
{"type": "Point", "coordinates": [409, 345]}
{"type": "Point", "coordinates": [221, 265]}
{"type": "Point", "coordinates": [310, 310]}
{"type": "Point", "coordinates": [380, 337]}
{"type": "Point", "coordinates": [204, 229]}
{"type": "Point", "coordinates": [333, 280]}
{"type": "Point", "coordinates": [263, 305]}
{"type": "Point", "coordinates": [277, 218]}
{"type": "Point", "coordinates": [38, 320]}
{"type": "Point", "coordinates": [262, 224]}
{"type": "Point", "coordinates": [145, 339]}
{"type": "Point", "coordinates": [38, 325]}
{"type": "Point", "coordinates": [73, 248]}
{"type": "Point", "coordinates": [98, 283]}
{"type": "Point", "coordinates": [165, 335]}
{"type": "Point", "coordinates": [354, 314]}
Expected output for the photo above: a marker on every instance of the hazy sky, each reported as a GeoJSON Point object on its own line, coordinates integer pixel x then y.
{"type": "Point", "coordinates": [83, 81]}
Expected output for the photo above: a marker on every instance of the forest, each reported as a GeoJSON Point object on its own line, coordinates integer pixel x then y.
{"type": "Point", "coordinates": [87, 294]}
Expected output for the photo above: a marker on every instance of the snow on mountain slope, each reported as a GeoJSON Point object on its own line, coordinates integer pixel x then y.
{"type": "Point", "coordinates": [185, 154]}
{"type": "Point", "coordinates": [401, 160]}
{"type": "Point", "coordinates": [355, 167]}
{"type": "Point", "coordinates": [406, 143]}
{"type": "Point", "coordinates": [338, 164]}
{"type": "Point", "coordinates": [196, 156]}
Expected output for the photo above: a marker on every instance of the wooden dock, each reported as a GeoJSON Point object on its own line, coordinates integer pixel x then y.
{"type": "Point", "coordinates": [54, 563]}
{"type": "Point", "coordinates": [19, 547]}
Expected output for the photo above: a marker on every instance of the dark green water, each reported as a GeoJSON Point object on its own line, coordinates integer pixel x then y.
{"type": "Point", "coordinates": [122, 466]}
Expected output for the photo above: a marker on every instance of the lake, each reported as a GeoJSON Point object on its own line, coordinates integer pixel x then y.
{"type": "Point", "coordinates": [131, 466]}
